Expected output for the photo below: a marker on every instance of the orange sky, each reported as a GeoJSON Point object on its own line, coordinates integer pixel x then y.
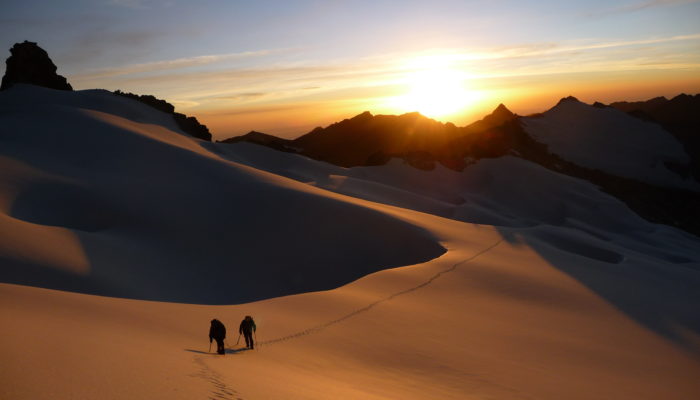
{"type": "Point", "coordinates": [522, 95]}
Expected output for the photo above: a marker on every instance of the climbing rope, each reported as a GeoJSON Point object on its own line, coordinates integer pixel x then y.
{"type": "Point", "coordinates": [368, 307]}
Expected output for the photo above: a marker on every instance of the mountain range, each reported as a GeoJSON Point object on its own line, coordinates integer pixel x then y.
{"type": "Point", "coordinates": [651, 148]}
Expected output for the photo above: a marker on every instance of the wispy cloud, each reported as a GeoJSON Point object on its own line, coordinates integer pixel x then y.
{"type": "Point", "coordinates": [544, 49]}
{"type": "Point", "coordinates": [638, 6]}
{"type": "Point", "coordinates": [165, 65]}
{"type": "Point", "coordinates": [265, 87]}
{"type": "Point", "coordinates": [242, 96]}
{"type": "Point", "coordinates": [335, 70]}
{"type": "Point", "coordinates": [141, 4]}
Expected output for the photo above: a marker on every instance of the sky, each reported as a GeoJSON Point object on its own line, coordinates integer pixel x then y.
{"type": "Point", "coordinates": [285, 67]}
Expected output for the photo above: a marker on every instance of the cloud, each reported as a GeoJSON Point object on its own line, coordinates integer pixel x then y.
{"type": "Point", "coordinates": [141, 4]}
{"type": "Point", "coordinates": [638, 6]}
{"type": "Point", "coordinates": [90, 48]}
{"type": "Point", "coordinates": [544, 49]}
{"type": "Point", "coordinates": [261, 109]}
{"type": "Point", "coordinates": [258, 88]}
{"type": "Point", "coordinates": [616, 44]}
{"type": "Point", "coordinates": [242, 96]}
{"type": "Point", "coordinates": [171, 64]}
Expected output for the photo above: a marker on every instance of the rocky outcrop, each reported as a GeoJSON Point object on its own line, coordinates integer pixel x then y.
{"type": "Point", "coordinates": [367, 139]}
{"type": "Point", "coordinates": [189, 125]}
{"type": "Point", "coordinates": [263, 139]}
{"type": "Point", "coordinates": [360, 140]}
{"type": "Point", "coordinates": [568, 99]}
{"type": "Point", "coordinates": [30, 64]}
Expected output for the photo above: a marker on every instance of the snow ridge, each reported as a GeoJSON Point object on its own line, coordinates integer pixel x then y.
{"type": "Point", "coordinates": [612, 141]}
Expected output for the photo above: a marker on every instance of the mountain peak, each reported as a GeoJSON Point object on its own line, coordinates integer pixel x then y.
{"type": "Point", "coordinates": [569, 99]}
{"type": "Point", "coordinates": [363, 116]}
{"type": "Point", "coordinates": [502, 111]}
{"type": "Point", "coordinates": [497, 117]}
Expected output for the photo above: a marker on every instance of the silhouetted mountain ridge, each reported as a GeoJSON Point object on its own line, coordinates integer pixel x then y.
{"type": "Point", "coordinates": [680, 116]}
{"type": "Point", "coordinates": [263, 139]}
{"type": "Point", "coordinates": [367, 140]}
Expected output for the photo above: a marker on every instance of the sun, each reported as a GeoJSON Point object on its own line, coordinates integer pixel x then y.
{"type": "Point", "coordinates": [435, 88]}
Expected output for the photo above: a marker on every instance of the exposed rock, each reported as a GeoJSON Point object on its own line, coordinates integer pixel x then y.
{"type": "Point", "coordinates": [189, 125]}
{"type": "Point", "coordinates": [568, 99]}
{"type": "Point", "coordinates": [30, 64]}
{"type": "Point", "coordinates": [263, 139]}
{"type": "Point", "coordinates": [367, 139]}
{"type": "Point", "coordinates": [192, 126]}
{"type": "Point", "coordinates": [502, 112]}
{"type": "Point", "coordinates": [498, 117]}
{"type": "Point", "coordinates": [647, 105]}
{"type": "Point", "coordinates": [152, 101]}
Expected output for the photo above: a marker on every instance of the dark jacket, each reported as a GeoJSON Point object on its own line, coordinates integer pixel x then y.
{"type": "Point", "coordinates": [247, 326]}
{"type": "Point", "coordinates": [217, 330]}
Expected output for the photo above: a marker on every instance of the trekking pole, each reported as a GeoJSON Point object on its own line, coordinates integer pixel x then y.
{"type": "Point", "coordinates": [256, 339]}
{"type": "Point", "coordinates": [239, 339]}
{"type": "Point", "coordinates": [210, 346]}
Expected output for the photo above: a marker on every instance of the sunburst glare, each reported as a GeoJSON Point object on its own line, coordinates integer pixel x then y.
{"type": "Point", "coordinates": [435, 87]}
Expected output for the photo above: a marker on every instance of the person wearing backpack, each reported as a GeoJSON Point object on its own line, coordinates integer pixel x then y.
{"type": "Point", "coordinates": [247, 328]}
{"type": "Point", "coordinates": [217, 331]}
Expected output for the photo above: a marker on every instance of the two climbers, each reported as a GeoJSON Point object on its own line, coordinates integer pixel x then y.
{"type": "Point", "coordinates": [217, 331]}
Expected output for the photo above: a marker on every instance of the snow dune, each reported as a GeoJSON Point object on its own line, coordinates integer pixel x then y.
{"type": "Point", "coordinates": [517, 282]}
{"type": "Point", "coordinates": [147, 213]}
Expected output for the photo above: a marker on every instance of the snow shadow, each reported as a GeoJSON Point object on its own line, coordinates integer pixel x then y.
{"type": "Point", "coordinates": [662, 296]}
{"type": "Point", "coordinates": [213, 353]}
{"type": "Point", "coordinates": [155, 220]}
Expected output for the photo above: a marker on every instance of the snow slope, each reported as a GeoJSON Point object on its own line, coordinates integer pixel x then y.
{"type": "Point", "coordinates": [549, 288]}
{"type": "Point", "coordinates": [122, 204]}
{"type": "Point", "coordinates": [612, 141]}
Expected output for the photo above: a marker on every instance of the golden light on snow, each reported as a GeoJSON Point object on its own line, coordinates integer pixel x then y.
{"type": "Point", "coordinates": [435, 87]}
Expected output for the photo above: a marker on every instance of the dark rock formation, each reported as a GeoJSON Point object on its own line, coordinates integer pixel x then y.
{"type": "Point", "coordinates": [647, 105]}
{"type": "Point", "coordinates": [263, 139]}
{"type": "Point", "coordinates": [422, 142]}
{"type": "Point", "coordinates": [30, 64]}
{"type": "Point", "coordinates": [568, 99]}
{"type": "Point", "coordinates": [359, 140]}
{"type": "Point", "coordinates": [498, 117]}
{"type": "Point", "coordinates": [189, 125]}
